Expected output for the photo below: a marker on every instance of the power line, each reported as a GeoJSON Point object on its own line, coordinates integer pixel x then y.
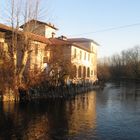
{"type": "Point", "coordinates": [109, 29]}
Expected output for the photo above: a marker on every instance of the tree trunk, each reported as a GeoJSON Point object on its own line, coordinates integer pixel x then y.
{"type": "Point", "coordinates": [21, 71]}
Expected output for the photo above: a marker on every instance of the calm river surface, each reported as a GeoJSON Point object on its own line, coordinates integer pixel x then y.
{"type": "Point", "coordinates": [112, 113]}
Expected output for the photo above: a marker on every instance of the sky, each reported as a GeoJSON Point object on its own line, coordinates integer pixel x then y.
{"type": "Point", "coordinates": [83, 18]}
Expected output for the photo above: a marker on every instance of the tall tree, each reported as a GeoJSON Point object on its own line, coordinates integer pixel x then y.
{"type": "Point", "coordinates": [19, 42]}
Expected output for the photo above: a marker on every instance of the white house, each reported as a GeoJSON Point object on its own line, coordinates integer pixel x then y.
{"type": "Point", "coordinates": [82, 53]}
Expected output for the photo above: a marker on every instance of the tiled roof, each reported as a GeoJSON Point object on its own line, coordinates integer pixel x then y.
{"type": "Point", "coordinates": [82, 40]}
{"type": "Point", "coordinates": [5, 28]}
{"type": "Point", "coordinates": [39, 38]}
{"type": "Point", "coordinates": [57, 42]}
{"type": "Point", "coordinates": [40, 22]}
{"type": "Point", "coordinates": [81, 47]}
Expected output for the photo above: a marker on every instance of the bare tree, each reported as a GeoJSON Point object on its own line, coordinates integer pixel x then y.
{"type": "Point", "coordinates": [19, 43]}
{"type": "Point", "coordinates": [125, 65]}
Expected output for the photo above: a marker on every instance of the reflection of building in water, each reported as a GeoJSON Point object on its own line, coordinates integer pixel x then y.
{"type": "Point", "coordinates": [37, 128]}
{"type": "Point", "coordinates": [82, 113]}
{"type": "Point", "coordinates": [47, 120]}
{"type": "Point", "coordinates": [25, 124]}
{"type": "Point", "coordinates": [8, 107]}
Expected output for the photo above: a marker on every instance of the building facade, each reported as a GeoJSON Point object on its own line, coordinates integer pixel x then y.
{"type": "Point", "coordinates": [84, 57]}
{"type": "Point", "coordinates": [80, 52]}
{"type": "Point", "coordinates": [47, 30]}
{"type": "Point", "coordinates": [37, 48]}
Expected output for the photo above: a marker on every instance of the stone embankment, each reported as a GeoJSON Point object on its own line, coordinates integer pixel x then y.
{"type": "Point", "coordinates": [45, 91]}
{"type": "Point", "coordinates": [66, 91]}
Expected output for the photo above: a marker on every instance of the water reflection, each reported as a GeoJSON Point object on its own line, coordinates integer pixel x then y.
{"type": "Point", "coordinates": [110, 113]}
{"type": "Point", "coordinates": [82, 113]}
{"type": "Point", "coordinates": [48, 119]}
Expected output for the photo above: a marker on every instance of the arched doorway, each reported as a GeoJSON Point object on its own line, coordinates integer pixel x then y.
{"type": "Point", "coordinates": [74, 71]}
{"type": "Point", "coordinates": [88, 72]}
{"type": "Point", "coordinates": [79, 71]}
{"type": "Point", "coordinates": [84, 72]}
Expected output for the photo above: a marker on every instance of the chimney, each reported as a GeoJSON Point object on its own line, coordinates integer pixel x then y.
{"type": "Point", "coordinates": [63, 37]}
{"type": "Point", "coordinates": [53, 34]}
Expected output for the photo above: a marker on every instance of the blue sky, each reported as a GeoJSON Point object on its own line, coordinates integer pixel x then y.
{"type": "Point", "coordinates": [75, 18]}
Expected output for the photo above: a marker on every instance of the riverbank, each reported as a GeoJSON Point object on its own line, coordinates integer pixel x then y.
{"type": "Point", "coordinates": [66, 91]}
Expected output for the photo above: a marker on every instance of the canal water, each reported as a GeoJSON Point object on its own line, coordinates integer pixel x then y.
{"type": "Point", "coordinates": [111, 113]}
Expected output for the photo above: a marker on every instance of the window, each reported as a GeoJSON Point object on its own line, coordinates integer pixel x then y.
{"type": "Point", "coordinates": [46, 58]}
{"type": "Point", "coordinates": [92, 48]}
{"type": "Point", "coordinates": [79, 72]}
{"type": "Point", "coordinates": [36, 49]}
{"type": "Point", "coordinates": [91, 72]}
{"type": "Point", "coordinates": [88, 57]}
{"type": "Point", "coordinates": [88, 72]}
{"type": "Point", "coordinates": [84, 72]}
{"type": "Point", "coordinates": [85, 56]}
{"type": "Point", "coordinates": [95, 72]}
{"type": "Point", "coordinates": [75, 71]}
{"type": "Point", "coordinates": [80, 55]}
{"type": "Point", "coordinates": [74, 53]}
{"type": "Point", "coordinates": [1, 48]}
